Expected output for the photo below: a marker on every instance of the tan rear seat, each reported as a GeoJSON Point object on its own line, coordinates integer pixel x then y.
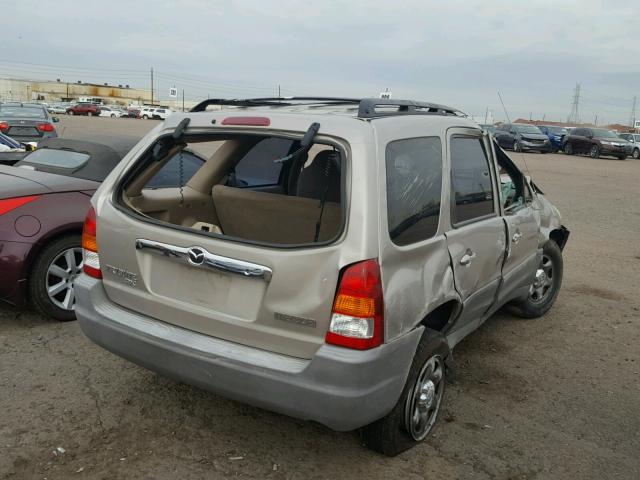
{"type": "Point", "coordinates": [273, 218]}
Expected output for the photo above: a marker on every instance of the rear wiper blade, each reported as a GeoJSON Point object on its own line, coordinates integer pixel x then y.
{"type": "Point", "coordinates": [305, 143]}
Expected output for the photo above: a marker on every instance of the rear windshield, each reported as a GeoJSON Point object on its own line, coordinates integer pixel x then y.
{"type": "Point", "coordinates": [57, 158]}
{"type": "Point", "coordinates": [9, 111]}
{"type": "Point", "coordinates": [261, 189]}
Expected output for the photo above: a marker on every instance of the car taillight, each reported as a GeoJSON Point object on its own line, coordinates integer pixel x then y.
{"type": "Point", "coordinates": [357, 319]}
{"type": "Point", "coordinates": [9, 204]}
{"type": "Point", "coordinates": [91, 263]}
{"type": "Point", "coordinates": [4, 126]}
{"type": "Point", "coordinates": [45, 127]}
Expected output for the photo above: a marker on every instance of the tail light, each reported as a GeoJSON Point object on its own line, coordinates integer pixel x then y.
{"type": "Point", "coordinates": [357, 319]}
{"type": "Point", "coordinates": [9, 204]}
{"type": "Point", "coordinates": [91, 263]}
{"type": "Point", "coordinates": [4, 126]}
{"type": "Point", "coordinates": [45, 127]}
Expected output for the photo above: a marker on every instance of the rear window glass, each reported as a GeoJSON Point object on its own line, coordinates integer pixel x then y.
{"type": "Point", "coordinates": [173, 175]}
{"type": "Point", "coordinates": [57, 158]}
{"type": "Point", "coordinates": [8, 111]}
{"type": "Point", "coordinates": [414, 184]}
{"type": "Point", "coordinates": [257, 167]}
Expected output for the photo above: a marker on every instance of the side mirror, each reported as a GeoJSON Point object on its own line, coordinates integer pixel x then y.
{"type": "Point", "coordinates": [55, 119]}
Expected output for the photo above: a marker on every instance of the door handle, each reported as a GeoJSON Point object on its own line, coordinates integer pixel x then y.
{"type": "Point", "coordinates": [516, 237]}
{"type": "Point", "coordinates": [467, 257]}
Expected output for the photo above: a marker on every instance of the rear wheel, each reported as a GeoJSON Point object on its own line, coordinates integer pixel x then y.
{"type": "Point", "coordinates": [636, 153]}
{"type": "Point", "coordinates": [516, 146]}
{"type": "Point", "coordinates": [52, 277]}
{"type": "Point", "coordinates": [594, 152]}
{"type": "Point", "coordinates": [70, 112]}
{"type": "Point", "coordinates": [546, 285]}
{"type": "Point", "coordinates": [416, 412]}
{"type": "Point", "coordinates": [144, 117]}
{"type": "Point", "coordinates": [113, 115]}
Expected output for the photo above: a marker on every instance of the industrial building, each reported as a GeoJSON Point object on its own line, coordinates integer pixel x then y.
{"type": "Point", "coordinates": [60, 91]}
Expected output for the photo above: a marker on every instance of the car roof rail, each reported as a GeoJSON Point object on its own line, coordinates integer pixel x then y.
{"type": "Point", "coordinates": [368, 108]}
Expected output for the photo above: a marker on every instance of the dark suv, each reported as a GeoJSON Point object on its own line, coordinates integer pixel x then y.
{"type": "Point", "coordinates": [89, 109]}
{"type": "Point", "coordinates": [596, 142]}
{"type": "Point", "coordinates": [521, 137]}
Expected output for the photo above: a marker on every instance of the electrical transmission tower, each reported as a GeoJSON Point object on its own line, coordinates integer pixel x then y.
{"type": "Point", "coordinates": [574, 116]}
{"type": "Point", "coordinates": [632, 118]}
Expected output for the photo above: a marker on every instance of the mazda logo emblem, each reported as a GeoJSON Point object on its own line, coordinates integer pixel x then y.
{"type": "Point", "coordinates": [196, 256]}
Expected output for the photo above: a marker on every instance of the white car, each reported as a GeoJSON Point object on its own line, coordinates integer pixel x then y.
{"type": "Point", "coordinates": [110, 112]}
{"type": "Point", "coordinates": [162, 113]}
{"type": "Point", "coordinates": [146, 113]}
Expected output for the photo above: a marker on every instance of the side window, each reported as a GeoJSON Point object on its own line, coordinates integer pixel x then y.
{"type": "Point", "coordinates": [414, 184]}
{"type": "Point", "coordinates": [471, 189]}
{"type": "Point", "coordinates": [256, 168]}
{"type": "Point", "coordinates": [169, 175]}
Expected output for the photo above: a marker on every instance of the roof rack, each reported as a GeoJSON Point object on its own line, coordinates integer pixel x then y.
{"type": "Point", "coordinates": [368, 108]}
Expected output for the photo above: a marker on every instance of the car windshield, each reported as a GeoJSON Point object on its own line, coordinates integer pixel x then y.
{"type": "Point", "coordinates": [557, 130]}
{"type": "Point", "coordinates": [16, 111]}
{"type": "Point", "coordinates": [602, 133]}
{"type": "Point", "coordinates": [527, 129]}
{"type": "Point", "coordinates": [57, 158]}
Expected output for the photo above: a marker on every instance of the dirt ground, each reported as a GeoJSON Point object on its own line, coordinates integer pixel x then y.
{"type": "Point", "coordinates": [553, 398]}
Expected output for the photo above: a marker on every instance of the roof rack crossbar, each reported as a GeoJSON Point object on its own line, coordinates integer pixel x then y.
{"type": "Point", "coordinates": [368, 108]}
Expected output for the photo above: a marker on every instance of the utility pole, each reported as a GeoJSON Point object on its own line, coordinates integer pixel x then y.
{"type": "Point", "coordinates": [279, 96]}
{"type": "Point", "coordinates": [486, 114]}
{"type": "Point", "coordinates": [183, 99]}
{"type": "Point", "coordinates": [574, 116]}
{"type": "Point", "coordinates": [504, 108]}
{"type": "Point", "coordinates": [632, 119]}
{"type": "Point", "coordinates": [595, 121]}
{"type": "Point", "coordinates": [151, 85]}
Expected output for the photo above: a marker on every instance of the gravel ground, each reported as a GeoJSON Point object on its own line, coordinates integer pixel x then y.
{"type": "Point", "coordinates": [550, 398]}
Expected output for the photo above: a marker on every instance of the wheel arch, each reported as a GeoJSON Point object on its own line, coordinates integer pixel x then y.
{"type": "Point", "coordinates": [51, 236]}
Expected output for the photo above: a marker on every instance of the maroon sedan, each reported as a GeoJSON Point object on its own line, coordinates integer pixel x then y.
{"type": "Point", "coordinates": [44, 199]}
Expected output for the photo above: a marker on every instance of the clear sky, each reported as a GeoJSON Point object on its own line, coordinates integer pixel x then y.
{"type": "Point", "coordinates": [454, 52]}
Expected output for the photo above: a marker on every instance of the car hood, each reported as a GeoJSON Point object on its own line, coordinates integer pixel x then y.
{"type": "Point", "coordinates": [534, 136]}
{"type": "Point", "coordinates": [609, 139]}
{"type": "Point", "coordinates": [18, 182]}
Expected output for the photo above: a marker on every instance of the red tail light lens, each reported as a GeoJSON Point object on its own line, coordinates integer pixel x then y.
{"type": "Point", "coordinates": [4, 126]}
{"type": "Point", "coordinates": [357, 319]}
{"type": "Point", "coordinates": [9, 204]}
{"type": "Point", "coordinates": [91, 263]}
{"type": "Point", "coordinates": [45, 127]}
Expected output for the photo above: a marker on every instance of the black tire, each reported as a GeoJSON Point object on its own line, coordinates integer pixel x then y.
{"type": "Point", "coordinates": [39, 278]}
{"type": "Point", "coordinates": [568, 148]}
{"type": "Point", "coordinates": [390, 435]}
{"type": "Point", "coordinates": [636, 153]}
{"type": "Point", "coordinates": [622, 157]}
{"type": "Point", "coordinates": [594, 151]}
{"type": "Point", "coordinates": [533, 307]}
{"type": "Point", "coordinates": [70, 112]}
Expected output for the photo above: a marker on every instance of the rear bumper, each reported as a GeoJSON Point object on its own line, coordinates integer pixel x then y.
{"type": "Point", "coordinates": [340, 388]}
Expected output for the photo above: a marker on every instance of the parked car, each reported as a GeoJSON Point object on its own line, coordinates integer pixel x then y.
{"type": "Point", "coordinates": [43, 203]}
{"type": "Point", "coordinates": [634, 140]}
{"type": "Point", "coordinates": [161, 113]}
{"type": "Point", "coordinates": [26, 122]}
{"type": "Point", "coordinates": [146, 113]}
{"type": "Point", "coordinates": [132, 112]}
{"type": "Point", "coordinates": [522, 137]}
{"type": "Point", "coordinates": [57, 108]}
{"type": "Point", "coordinates": [596, 142]}
{"type": "Point", "coordinates": [89, 109]}
{"type": "Point", "coordinates": [322, 263]}
{"type": "Point", "coordinates": [110, 112]}
{"type": "Point", "coordinates": [555, 134]}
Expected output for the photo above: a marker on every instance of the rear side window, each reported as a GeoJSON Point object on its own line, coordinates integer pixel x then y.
{"type": "Point", "coordinates": [257, 168]}
{"type": "Point", "coordinates": [471, 189]}
{"type": "Point", "coordinates": [414, 185]}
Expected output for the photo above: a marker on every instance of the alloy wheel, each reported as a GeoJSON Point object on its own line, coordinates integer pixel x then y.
{"type": "Point", "coordinates": [61, 274]}
{"type": "Point", "coordinates": [636, 153]}
{"type": "Point", "coordinates": [542, 286]}
{"type": "Point", "coordinates": [423, 403]}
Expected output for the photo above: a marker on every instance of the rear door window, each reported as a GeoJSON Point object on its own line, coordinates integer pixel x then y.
{"type": "Point", "coordinates": [471, 187]}
{"type": "Point", "coordinates": [172, 174]}
{"type": "Point", "coordinates": [414, 187]}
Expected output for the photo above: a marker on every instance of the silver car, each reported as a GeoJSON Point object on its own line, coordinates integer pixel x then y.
{"type": "Point", "coordinates": [323, 262]}
{"type": "Point", "coordinates": [634, 140]}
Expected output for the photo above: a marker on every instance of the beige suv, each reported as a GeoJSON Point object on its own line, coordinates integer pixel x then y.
{"type": "Point", "coordinates": [324, 260]}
